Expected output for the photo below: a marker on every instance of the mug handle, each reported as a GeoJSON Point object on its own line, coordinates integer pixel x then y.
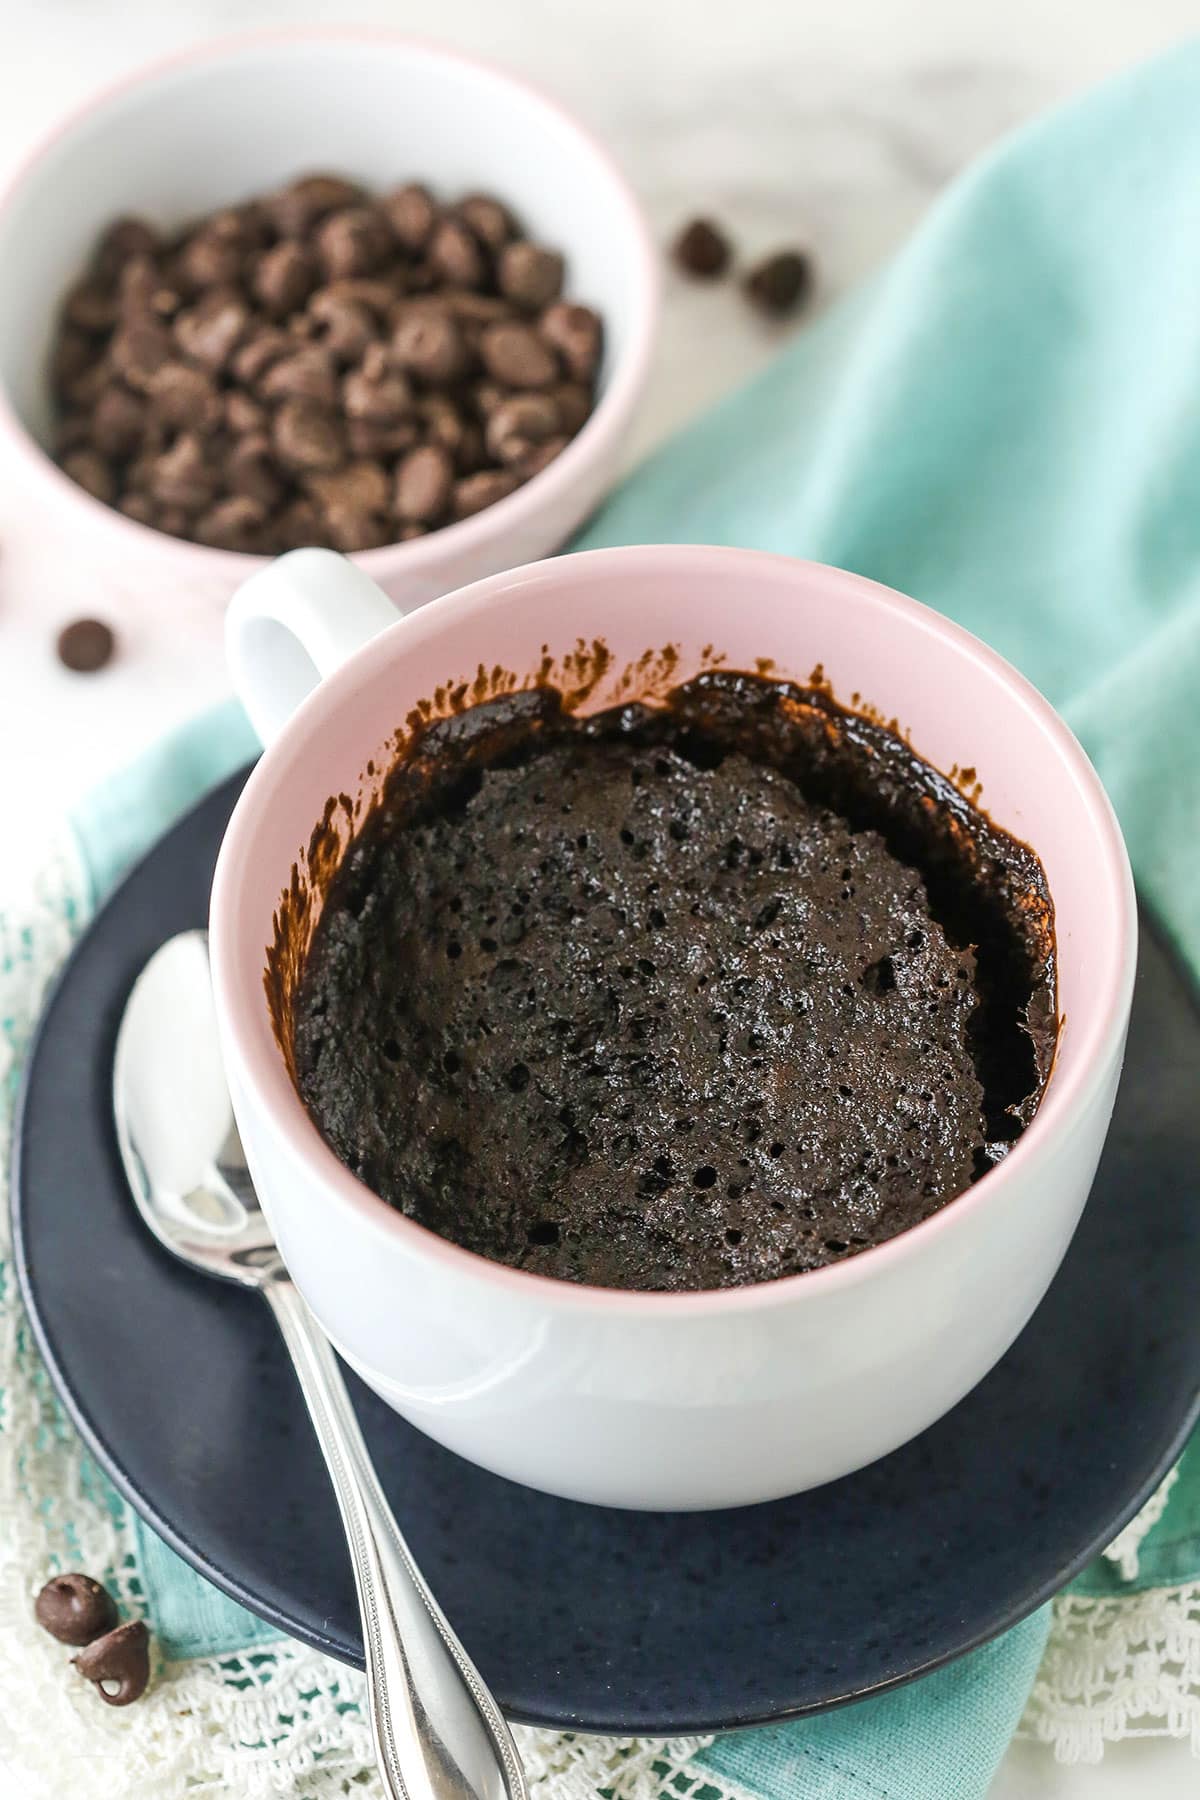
{"type": "Point", "coordinates": [294, 623]}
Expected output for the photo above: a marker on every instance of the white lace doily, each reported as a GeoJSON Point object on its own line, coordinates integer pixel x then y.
{"type": "Point", "coordinates": [282, 1719]}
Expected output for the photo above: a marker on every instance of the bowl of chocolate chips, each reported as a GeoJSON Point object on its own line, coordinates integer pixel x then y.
{"type": "Point", "coordinates": [329, 289]}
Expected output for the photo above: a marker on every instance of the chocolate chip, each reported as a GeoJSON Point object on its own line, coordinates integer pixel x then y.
{"type": "Point", "coordinates": [577, 333]}
{"type": "Point", "coordinates": [376, 391]}
{"type": "Point", "coordinates": [118, 422]}
{"type": "Point", "coordinates": [488, 218]}
{"type": "Point", "coordinates": [537, 458]}
{"type": "Point", "coordinates": [143, 289]}
{"type": "Point", "coordinates": [309, 374]}
{"type": "Point", "coordinates": [530, 275]}
{"type": "Point", "coordinates": [118, 1664]}
{"type": "Point", "coordinates": [295, 210]}
{"type": "Point", "coordinates": [430, 345]}
{"type": "Point", "coordinates": [252, 472]}
{"type": "Point", "coordinates": [780, 283]}
{"type": "Point", "coordinates": [346, 326]}
{"type": "Point", "coordinates": [261, 349]}
{"type": "Point", "coordinates": [182, 477]}
{"type": "Point", "coordinates": [243, 415]}
{"type": "Point", "coordinates": [74, 1608]}
{"type": "Point", "coordinates": [441, 420]}
{"type": "Point", "coordinates": [72, 354]}
{"type": "Point", "coordinates": [354, 241]}
{"type": "Point", "coordinates": [382, 437]}
{"type": "Point", "coordinates": [518, 424]}
{"type": "Point", "coordinates": [360, 487]}
{"type": "Point", "coordinates": [126, 240]}
{"type": "Point", "coordinates": [90, 307]}
{"type": "Point", "coordinates": [518, 356]}
{"type": "Point", "coordinates": [424, 482]}
{"type": "Point", "coordinates": [185, 397]}
{"type": "Point", "coordinates": [213, 256]}
{"type": "Point", "coordinates": [93, 472]}
{"type": "Point", "coordinates": [300, 525]}
{"type": "Point", "coordinates": [702, 249]}
{"type": "Point", "coordinates": [139, 350]}
{"type": "Point", "coordinates": [474, 492]}
{"type": "Point", "coordinates": [211, 331]}
{"type": "Point", "coordinates": [410, 211]}
{"type": "Point", "coordinates": [307, 436]}
{"type": "Point", "coordinates": [456, 254]}
{"type": "Point", "coordinates": [284, 278]}
{"type": "Point", "coordinates": [574, 403]}
{"type": "Point", "coordinates": [84, 646]}
{"type": "Point", "coordinates": [235, 523]}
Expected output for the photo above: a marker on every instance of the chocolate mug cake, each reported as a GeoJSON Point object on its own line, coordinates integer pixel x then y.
{"type": "Point", "coordinates": [675, 996]}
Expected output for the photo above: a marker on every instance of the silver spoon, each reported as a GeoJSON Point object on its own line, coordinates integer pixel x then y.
{"type": "Point", "coordinates": [438, 1733]}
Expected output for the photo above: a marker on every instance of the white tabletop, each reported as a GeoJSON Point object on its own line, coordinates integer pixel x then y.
{"type": "Point", "coordinates": [789, 119]}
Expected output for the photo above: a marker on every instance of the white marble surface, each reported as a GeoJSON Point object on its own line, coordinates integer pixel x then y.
{"type": "Point", "coordinates": [786, 117]}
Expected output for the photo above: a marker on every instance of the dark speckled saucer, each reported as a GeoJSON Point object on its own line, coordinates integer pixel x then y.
{"type": "Point", "coordinates": [577, 1616]}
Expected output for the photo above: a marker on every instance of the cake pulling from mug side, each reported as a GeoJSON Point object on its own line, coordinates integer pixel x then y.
{"type": "Point", "coordinates": [679, 996]}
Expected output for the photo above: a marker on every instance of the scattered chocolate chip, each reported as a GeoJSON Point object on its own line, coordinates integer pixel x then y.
{"type": "Point", "coordinates": [84, 646]}
{"type": "Point", "coordinates": [284, 278]}
{"type": "Point", "coordinates": [456, 254]}
{"type": "Point", "coordinates": [474, 492]}
{"type": "Point", "coordinates": [780, 283]}
{"type": "Point", "coordinates": [530, 275]}
{"type": "Point", "coordinates": [93, 472]}
{"type": "Point", "coordinates": [307, 436]}
{"type": "Point", "coordinates": [74, 1608]}
{"type": "Point", "coordinates": [211, 331]}
{"type": "Point", "coordinates": [518, 356]}
{"type": "Point", "coordinates": [577, 334]}
{"type": "Point", "coordinates": [353, 242]}
{"type": "Point", "coordinates": [429, 344]}
{"type": "Point", "coordinates": [410, 211]}
{"type": "Point", "coordinates": [424, 482]}
{"type": "Point", "coordinates": [488, 218]}
{"type": "Point", "coordinates": [294, 211]}
{"type": "Point", "coordinates": [703, 250]}
{"type": "Point", "coordinates": [118, 1664]}
{"type": "Point", "coordinates": [519, 423]}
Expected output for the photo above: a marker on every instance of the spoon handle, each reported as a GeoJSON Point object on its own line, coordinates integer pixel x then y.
{"type": "Point", "coordinates": [438, 1733]}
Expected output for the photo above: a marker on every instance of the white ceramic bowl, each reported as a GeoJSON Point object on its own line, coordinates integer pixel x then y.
{"type": "Point", "coordinates": [645, 1399]}
{"type": "Point", "coordinates": [233, 119]}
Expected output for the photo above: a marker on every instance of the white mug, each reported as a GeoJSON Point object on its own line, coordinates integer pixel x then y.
{"type": "Point", "coordinates": [661, 1400]}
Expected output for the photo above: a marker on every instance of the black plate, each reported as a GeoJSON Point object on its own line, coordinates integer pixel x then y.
{"type": "Point", "coordinates": [580, 1616]}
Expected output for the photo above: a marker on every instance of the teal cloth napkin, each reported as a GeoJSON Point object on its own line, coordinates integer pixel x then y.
{"type": "Point", "coordinates": [1006, 423]}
